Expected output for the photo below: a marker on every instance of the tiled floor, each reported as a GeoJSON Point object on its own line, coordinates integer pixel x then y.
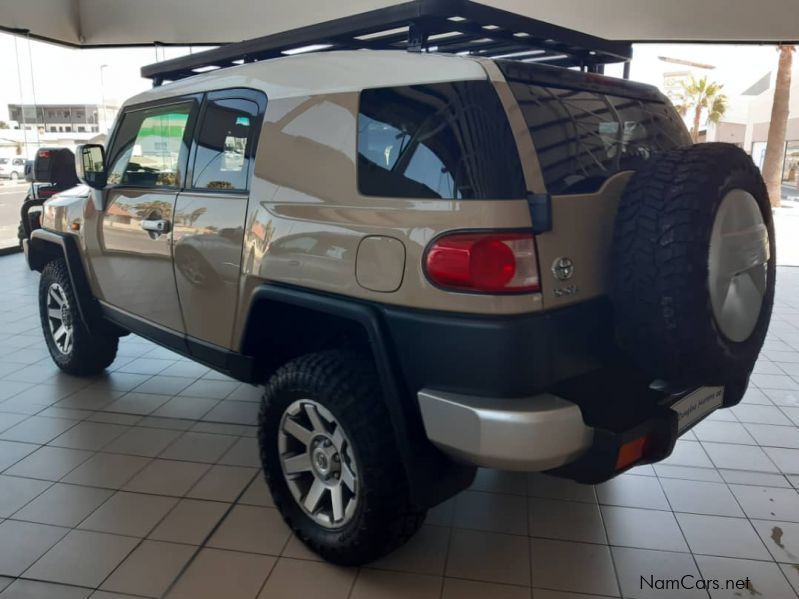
{"type": "Point", "coordinates": [145, 483]}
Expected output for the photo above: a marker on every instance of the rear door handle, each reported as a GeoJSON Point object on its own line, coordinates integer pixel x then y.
{"type": "Point", "coordinates": [157, 226]}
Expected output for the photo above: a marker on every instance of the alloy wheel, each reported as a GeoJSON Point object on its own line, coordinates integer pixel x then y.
{"type": "Point", "coordinates": [59, 318]}
{"type": "Point", "coordinates": [318, 463]}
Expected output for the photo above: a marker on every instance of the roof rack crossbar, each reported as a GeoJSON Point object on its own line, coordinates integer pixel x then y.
{"type": "Point", "coordinates": [444, 26]}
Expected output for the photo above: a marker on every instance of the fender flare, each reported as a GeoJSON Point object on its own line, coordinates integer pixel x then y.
{"type": "Point", "coordinates": [432, 476]}
{"type": "Point", "coordinates": [43, 247]}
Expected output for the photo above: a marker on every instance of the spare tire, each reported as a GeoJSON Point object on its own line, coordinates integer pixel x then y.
{"type": "Point", "coordinates": [694, 267]}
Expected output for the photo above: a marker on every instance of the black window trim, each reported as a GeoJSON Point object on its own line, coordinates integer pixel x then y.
{"type": "Point", "coordinates": [188, 137]}
{"type": "Point", "coordinates": [233, 93]}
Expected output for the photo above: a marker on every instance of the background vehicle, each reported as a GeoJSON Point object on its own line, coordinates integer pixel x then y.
{"type": "Point", "coordinates": [460, 262]}
{"type": "Point", "coordinates": [58, 176]}
{"type": "Point", "coordinates": [12, 168]}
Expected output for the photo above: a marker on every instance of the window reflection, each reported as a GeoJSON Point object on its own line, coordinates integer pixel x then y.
{"type": "Point", "coordinates": [447, 140]}
{"type": "Point", "coordinates": [224, 145]}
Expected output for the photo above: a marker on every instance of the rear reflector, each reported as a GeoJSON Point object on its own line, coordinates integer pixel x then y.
{"type": "Point", "coordinates": [484, 262]}
{"type": "Point", "coordinates": [633, 451]}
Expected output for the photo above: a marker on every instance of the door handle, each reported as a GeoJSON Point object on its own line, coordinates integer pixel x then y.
{"type": "Point", "coordinates": [157, 226]}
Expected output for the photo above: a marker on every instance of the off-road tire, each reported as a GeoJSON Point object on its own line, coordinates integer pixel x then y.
{"type": "Point", "coordinates": [661, 245]}
{"type": "Point", "coordinates": [91, 352]}
{"type": "Point", "coordinates": [346, 384]}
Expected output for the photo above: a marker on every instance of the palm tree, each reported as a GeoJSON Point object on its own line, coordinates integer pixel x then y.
{"type": "Point", "coordinates": [775, 143]}
{"type": "Point", "coordinates": [702, 96]}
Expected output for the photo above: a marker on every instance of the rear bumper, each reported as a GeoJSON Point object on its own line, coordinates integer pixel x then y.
{"type": "Point", "coordinates": [547, 432]}
{"type": "Point", "coordinates": [531, 433]}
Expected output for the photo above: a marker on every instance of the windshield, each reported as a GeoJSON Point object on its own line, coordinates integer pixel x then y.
{"type": "Point", "coordinates": [3, 160]}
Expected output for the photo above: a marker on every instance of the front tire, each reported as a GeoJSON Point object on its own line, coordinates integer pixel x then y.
{"type": "Point", "coordinates": [74, 349]}
{"type": "Point", "coordinates": [330, 458]}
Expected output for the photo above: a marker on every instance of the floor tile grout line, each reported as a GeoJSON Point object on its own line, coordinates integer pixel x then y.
{"type": "Point", "coordinates": [609, 546]}
{"type": "Point", "coordinates": [679, 526]}
{"type": "Point", "coordinates": [447, 553]}
{"type": "Point", "coordinates": [208, 537]}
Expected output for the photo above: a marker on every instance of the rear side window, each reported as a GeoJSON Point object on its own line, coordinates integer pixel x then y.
{"type": "Point", "coordinates": [444, 140]}
{"type": "Point", "coordinates": [583, 137]}
{"type": "Point", "coordinates": [224, 145]}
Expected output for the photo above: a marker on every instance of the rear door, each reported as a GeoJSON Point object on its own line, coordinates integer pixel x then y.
{"type": "Point", "coordinates": [147, 165]}
{"type": "Point", "coordinates": [589, 135]}
{"type": "Point", "coordinates": [211, 210]}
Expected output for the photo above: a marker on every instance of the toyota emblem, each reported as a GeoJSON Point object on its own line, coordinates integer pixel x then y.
{"type": "Point", "coordinates": [563, 268]}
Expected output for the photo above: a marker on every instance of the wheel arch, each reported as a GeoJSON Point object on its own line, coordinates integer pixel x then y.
{"type": "Point", "coordinates": [277, 312]}
{"type": "Point", "coordinates": [45, 246]}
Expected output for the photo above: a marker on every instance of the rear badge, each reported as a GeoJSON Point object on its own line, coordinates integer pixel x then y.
{"type": "Point", "coordinates": [563, 268]}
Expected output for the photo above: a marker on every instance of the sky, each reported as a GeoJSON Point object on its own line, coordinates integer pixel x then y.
{"type": "Point", "coordinates": [67, 75]}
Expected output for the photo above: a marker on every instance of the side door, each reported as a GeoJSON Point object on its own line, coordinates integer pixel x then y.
{"type": "Point", "coordinates": [147, 166]}
{"type": "Point", "coordinates": [210, 213]}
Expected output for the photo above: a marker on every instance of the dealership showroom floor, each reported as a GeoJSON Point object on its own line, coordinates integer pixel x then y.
{"type": "Point", "coordinates": [145, 482]}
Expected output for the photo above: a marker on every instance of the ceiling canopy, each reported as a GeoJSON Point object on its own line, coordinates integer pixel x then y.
{"type": "Point", "coordinates": [92, 23]}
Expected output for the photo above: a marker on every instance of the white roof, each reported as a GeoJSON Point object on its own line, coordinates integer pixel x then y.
{"type": "Point", "coordinates": [326, 72]}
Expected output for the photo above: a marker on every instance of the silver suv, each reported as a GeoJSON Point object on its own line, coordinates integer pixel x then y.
{"type": "Point", "coordinates": [12, 168]}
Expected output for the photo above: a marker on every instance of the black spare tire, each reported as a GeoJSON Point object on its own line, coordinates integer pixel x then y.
{"type": "Point", "coordinates": [694, 266]}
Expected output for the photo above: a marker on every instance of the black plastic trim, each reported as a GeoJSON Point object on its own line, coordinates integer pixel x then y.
{"type": "Point", "coordinates": [501, 356]}
{"type": "Point", "coordinates": [41, 244]}
{"type": "Point", "coordinates": [540, 211]}
{"type": "Point", "coordinates": [226, 361]}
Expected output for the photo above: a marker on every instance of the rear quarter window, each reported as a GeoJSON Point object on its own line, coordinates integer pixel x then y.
{"type": "Point", "coordinates": [444, 140]}
{"type": "Point", "coordinates": [583, 137]}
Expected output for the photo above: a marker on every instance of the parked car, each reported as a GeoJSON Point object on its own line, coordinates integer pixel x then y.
{"type": "Point", "coordinates": [12, 168]}
{"type": "Point", "coordinates": [461, 262]}
{"type": "Point", "coordinates": [56, 173]}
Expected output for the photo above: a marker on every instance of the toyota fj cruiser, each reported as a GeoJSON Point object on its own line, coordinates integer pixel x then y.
{"type": "Point", "coordinates": [431, 263]}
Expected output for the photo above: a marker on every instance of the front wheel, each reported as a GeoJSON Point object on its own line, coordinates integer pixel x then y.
{"type": "Point", "coordinates": [72, 346]}
{"type": "Point", "coordinates": [331, 461]}
{"type": "Point", "coordinates": [14, 176]}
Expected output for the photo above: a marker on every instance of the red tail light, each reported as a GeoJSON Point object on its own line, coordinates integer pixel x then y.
{"type": "Point", "coordinates": [484, 262]}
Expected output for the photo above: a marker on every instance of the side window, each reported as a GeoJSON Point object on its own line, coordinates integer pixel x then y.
{"type": "Point", "coordinates": [150, 147]}
{"type": "Point", "coordinates": [225, 145]}
{"type": "Point", "coordinates": [444, 140]}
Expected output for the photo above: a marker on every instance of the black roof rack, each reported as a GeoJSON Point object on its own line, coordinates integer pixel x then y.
{"type": "Point", "coordinates": [450, 26]}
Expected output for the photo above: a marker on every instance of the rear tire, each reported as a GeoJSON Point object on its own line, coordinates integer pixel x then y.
{"type": "Point", "coordinates": [694, 266]}
{"type": "Point", "coordinates": [342, 390]}
{"type": "Point", "coordinates": [72, 346]}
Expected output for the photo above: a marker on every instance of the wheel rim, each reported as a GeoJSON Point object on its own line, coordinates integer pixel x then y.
{"type": "Point", "coordinates": [738, 264]}
{"type": "Point", "coordinates": [318, 463]}
{"type": "Point", "coordinates": [59, 317]}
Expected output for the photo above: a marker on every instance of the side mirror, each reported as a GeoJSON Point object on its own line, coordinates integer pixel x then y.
{"type": "Point", "coordinates": [90, 165]}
